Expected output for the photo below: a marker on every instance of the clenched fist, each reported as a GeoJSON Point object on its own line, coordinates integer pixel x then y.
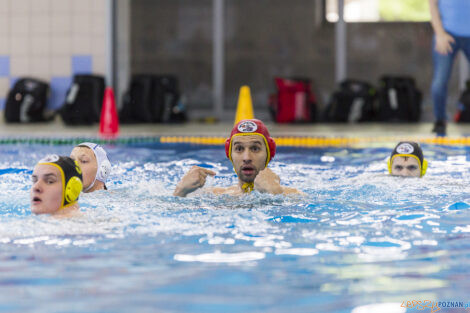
{"type": "Point", "coordinates": [268, 181]}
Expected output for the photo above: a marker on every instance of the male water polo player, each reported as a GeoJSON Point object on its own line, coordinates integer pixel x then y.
{"type": "Point", "coordinates": [250, 148]}
{"type": "Point", "coordinates": [57, 183]}
{"type": "Point", "coordinates": [407, 160]}
{"type": "Point", "coordinates": [94, 163]}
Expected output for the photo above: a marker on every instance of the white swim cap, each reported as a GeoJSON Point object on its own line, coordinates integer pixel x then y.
{"type": "Point", "coordinates": [104, 166]}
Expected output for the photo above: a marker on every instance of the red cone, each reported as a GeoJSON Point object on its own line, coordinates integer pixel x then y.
{"type": "Point", "coordinates": [109, 122]}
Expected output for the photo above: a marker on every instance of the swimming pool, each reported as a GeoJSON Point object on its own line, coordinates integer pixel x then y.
{"type": "Point", "coordinates": [358, 237]}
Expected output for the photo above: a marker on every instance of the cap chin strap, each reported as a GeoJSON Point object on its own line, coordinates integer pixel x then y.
{"type": "Point", "coordinates": [68, 205]}
{"type": "Point", "coordinates": [248, 187]}
{"type": "Point", "coordinates": [91, 185]}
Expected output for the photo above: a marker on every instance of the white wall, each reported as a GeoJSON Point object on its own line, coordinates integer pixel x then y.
{"type": "Point", "coordinates": [51, 40]}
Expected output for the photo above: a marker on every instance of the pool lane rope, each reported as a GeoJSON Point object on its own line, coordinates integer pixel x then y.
{"type": "Point", "coordinates": [301, 141]}
{"type": "Point", "coordinates": [282, 141]}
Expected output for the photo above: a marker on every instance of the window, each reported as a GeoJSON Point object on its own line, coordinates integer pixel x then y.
{"type": "Point", "coordinates": [379, 10]}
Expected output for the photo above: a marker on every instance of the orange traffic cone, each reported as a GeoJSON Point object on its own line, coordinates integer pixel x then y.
{"type": "Point", "coordinates": [109, 122]}
{"type": "Point", "coordinates": [244, 106]}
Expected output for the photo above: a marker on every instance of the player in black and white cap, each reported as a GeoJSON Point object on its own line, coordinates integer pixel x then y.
{"type": "Point", "coordinates": [57, 183]}
{"type": "Point", "coordinates": [407, 160]}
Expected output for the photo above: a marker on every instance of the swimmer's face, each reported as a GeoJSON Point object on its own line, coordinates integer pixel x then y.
{"type": "Point", "coordinates": [405, 166]}
{"type": "Point", "coordinates": [249, 156]}
{"type": "Point", "coordinates": [87, 161]}
{"type": "Point", "coordinates": [46, 192]}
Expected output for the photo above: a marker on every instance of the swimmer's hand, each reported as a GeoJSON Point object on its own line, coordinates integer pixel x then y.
{"type": "Point", "coordinates": [195, 178]}
{"type": "Point", "coordinates": [268, 182]}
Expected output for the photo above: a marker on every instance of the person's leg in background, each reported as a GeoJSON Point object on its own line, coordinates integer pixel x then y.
{"type": "Point", "coordinates": [442, 70]}
{"type": "Point", "coordinates": [465, 46]}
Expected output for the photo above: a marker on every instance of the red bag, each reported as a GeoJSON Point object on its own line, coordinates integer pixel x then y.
{"type": "Point", "coordinates": [294, 101]}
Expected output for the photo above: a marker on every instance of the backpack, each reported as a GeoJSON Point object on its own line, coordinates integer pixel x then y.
{"type": "Point", "coordinates": [353, 102]}
{"type": "Point", "coordinates": [84, 100]}
{"type": "Point", "coordinates": [152, 99]}
{"type": "Point", "coordinates": [463, 107]}
{"type": "Point", "coordinates": [294, 101]}
{"type": "Point", "coordinates": [399, 99]}
{"type": "Point", "coordinates": [26, 101]}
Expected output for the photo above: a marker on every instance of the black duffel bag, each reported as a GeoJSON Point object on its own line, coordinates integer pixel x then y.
{"type": "Point", "coordinates": [27, 101]}
{"type": "Point", "coordinates": [399, 99]}
{"type": "Point", "coordinates": [152, 99]}
{"type": "Point", "coordinates": [84, 100]}
{"type": "Point", "coordinates": [353, 102]}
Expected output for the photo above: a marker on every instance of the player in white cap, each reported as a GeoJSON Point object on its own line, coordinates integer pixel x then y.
{"type": "Point", "coordinates": [94, 163]}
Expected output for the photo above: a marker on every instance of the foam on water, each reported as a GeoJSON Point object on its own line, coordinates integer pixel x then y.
{"type": "Point", "coordinates": [355, 237]}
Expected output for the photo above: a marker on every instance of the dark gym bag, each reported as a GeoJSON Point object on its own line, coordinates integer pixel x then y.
{"type": "Point", "coordinates": [353, 102]}
{"type": "Point", "coordinates": [463, 109]}
{"type": "Point", "coordinates": [294, 101]}
{"type": "Point", "coordinates": [84, 100]}
{"type": "Point", "coordinates": [399, 99]}
{"type": "Point", "coordinates": [26, 101]}
{"type": "Point", "coordinates": [152, 99]}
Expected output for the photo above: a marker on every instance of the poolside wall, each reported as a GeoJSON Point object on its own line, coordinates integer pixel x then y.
{"type": "Point", "coordinates": [51, 40]}
{"type": "Point", "coordinates": [265, 38]}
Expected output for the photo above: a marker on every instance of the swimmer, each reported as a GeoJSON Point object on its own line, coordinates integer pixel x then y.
{"type": "Point", "coordinates": [94, 163]}
{"type": "Point", "coordinates": [249, 148]}
{"type": "Point", "coordinates": [407, 160]}
{"type": "Point", "coordinates": [57, 183]}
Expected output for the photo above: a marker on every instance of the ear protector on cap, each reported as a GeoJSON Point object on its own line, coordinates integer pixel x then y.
{"type": "Point", "coordinates": [251, 127]}
{"type": "Point", "coordinates": [73, 189]}
{"type": "Point", "coordinates": [104, 170]}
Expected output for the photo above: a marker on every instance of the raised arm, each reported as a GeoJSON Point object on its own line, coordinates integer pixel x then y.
{"type": "Point", "coordinates": [194, 179]}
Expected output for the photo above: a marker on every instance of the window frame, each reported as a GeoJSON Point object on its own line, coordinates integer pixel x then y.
{"type": "Point", "coordinates": [326, 21]}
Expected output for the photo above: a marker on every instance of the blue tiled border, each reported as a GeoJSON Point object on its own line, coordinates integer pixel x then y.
{"type": "Point", "coordinates": [82, 64]}
{"type": "Point", "coordinates": [59, 87]}
{"type": "Point", "coordinates": [4, 65]}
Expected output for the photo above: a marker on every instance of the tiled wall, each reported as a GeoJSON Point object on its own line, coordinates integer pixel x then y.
{"type": "Point", "coordinates": [51, 40]}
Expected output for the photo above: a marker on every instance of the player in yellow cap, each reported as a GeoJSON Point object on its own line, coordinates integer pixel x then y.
{"type": "Point", "coordinates": [57, 183]}
{"type": "Point", "coordinates": [250, 148]}
{"type": "Point", "coordinates": [407, 160]}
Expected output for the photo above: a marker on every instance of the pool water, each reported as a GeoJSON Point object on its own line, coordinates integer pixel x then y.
{"type": "Point", "coordinates": [358, 239]}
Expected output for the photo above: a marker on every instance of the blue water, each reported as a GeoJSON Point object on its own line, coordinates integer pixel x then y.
{"type": "Point", "coordinates": [358, 239]}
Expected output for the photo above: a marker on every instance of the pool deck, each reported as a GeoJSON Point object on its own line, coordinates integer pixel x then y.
{"type": "Point", "coordinates": [370, 131]}
{"type": "Point", "coordinates": [57, 128]}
